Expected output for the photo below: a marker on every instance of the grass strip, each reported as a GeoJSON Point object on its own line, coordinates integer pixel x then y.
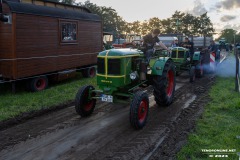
{"type": "Point", "coordinates": [12, 105]}
{"type": "Point", "coordinates": [217, 133]}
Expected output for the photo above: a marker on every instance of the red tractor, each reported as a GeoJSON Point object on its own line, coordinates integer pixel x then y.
{"type": "Point", "coordinates": [128, 41]}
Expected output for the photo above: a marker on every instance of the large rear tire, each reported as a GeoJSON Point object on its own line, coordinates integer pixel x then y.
{"type": "Point", "coordinates": [84, 104]}
{"type": "Point", "coordinates": [139, 110]}
{"type": "Point", "coordinates": [164, 85]}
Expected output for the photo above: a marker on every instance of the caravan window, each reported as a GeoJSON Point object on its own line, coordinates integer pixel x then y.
{"type": "Point", "coordinates": [68, 31]}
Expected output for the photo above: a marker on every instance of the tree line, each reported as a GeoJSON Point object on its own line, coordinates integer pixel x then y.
{"type": "Point", "coordinates": [230, 36]}
{"type": "Point", "coordinates": [179, 22]}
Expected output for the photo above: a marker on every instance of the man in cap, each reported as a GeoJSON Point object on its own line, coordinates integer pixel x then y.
{"type": "Point", "coordinates": [189, 45]}
{"type": "Point", "coordinates": [175, 42]}
{"type": "Point", "coordinates": [149, 41]}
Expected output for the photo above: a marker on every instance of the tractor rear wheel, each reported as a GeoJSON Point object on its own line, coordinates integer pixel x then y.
{"type": "Point", "coordinates": [139, 110]}
{"type": "Point", "coordinates": [192, 73]}
{"type": "Point", "coordinates": [164, 85]}
{"type": "Point", "coordinates": [84, 104]}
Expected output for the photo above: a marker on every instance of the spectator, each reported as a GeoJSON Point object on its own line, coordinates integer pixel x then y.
{"type": "Point", "coordinates": [213, 47]}
{"type": "Point", "coordinates": [175, 42]}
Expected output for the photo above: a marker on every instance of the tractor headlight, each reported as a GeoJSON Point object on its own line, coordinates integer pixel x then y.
{"type": "Point", "coordinates": [133, 75]}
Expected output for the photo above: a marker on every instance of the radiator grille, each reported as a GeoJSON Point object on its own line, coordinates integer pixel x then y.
{"type": "Point", "coordinates": [100, 66]}
{"type": "Point", "coordinates": [113, 66]}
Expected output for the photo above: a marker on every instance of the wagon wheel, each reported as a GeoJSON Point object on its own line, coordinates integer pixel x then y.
{"type": "Point", "coordinates": [192, 73]}
{"type": "Point", "coordinates": [89, 72]}
{"type": "Point", "coordinates": [84, 104]}
{"type": "Point", "coordinates": [38, 83]}
{"type": "Point", "coordinates": [139, 110]}
{"type": "Point", "coordinates": [164, 85]}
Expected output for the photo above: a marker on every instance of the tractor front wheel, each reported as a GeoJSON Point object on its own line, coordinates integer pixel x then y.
{"type": "Point", "coordinates": [192, 74]}
{"type": "Point", "coordinates": [164, 85]}
{"type": "Point", "coordinates": [139, 110]}
{"type": "Point", "coordinates": [84, 104]}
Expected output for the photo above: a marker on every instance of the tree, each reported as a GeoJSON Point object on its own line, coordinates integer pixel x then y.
{"type": "Point", "coordinates": [154, 23]}
{"type": "Point", "coordinates": [145, 29]}
{"type": "Point", "coordinates": [167, 26]}
{"type": "Point", "coordinates": [228, 34]}
{"type": "Point", "coordinates": [204, 26]}
{"type": "Point", "coordinates": [135, 27]}
{"type": "Point", "coordinates": [188, 23]}
{"type": "Point", "coordinates": [112, 22]}
{"type": "Point", "coordinates": [179, 22]}
{"type": "Point", "coordinates": [176, 22]}
{"type": "Point", "coordinates": [67, 1]}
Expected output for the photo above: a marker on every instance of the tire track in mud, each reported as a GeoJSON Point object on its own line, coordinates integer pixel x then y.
{"type": "Point", "coordinates": [47, 123]}
{"type": "Point", "coordinates": [139, 144]}
{"type": "Point", "coordinates": [113, 138]}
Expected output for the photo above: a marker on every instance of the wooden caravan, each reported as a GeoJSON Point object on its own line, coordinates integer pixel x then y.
{"type": "Point", "coordinates": [43, 38]}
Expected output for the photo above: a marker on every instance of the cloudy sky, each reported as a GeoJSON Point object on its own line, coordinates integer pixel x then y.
{"type": "Point", "coordinates": [223, 13]}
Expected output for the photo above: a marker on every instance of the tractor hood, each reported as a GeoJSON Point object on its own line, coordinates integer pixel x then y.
{"type": "Point", "coordinates": [120, 52]}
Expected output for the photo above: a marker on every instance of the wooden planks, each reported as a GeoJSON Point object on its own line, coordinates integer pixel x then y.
{"type": "Point", "coordinates": [6, 46]}
{"type": "Point", "coordinates": [31, 45]}
{"type": "Point", "coordinates": [40, 51]}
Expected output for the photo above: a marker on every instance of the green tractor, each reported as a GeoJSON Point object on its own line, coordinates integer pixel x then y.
{"type": "Point", "coordinates": [184, 62]}
{"type": "Point", "coordinates": [120, 75]}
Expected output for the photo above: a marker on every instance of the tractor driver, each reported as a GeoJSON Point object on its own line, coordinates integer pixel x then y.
{"type": "Point", "coordinates": [149, 41]}
{"type": "Point", "coordinates": [189, 45]}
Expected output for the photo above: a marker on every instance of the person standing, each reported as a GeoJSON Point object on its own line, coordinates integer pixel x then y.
{"type": "Point", "coordinates": [175, 42]}
{"type": "Point", "coordinates": [212, 47]}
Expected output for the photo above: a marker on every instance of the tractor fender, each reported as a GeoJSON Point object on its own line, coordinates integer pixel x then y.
{"type": "Point", "coordinates": [158, 66]}
{"type": "Point", "coordinates": [196, 56]}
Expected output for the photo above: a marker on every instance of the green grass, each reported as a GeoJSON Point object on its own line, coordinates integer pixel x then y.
{"type": "Point", "coordinates": [220, 125]}
{"type": "Point", "coordinates": [12, 105]}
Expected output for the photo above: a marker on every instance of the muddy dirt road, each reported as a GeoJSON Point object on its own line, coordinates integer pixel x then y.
{"type": "Point", "coordinates": [107, 134]}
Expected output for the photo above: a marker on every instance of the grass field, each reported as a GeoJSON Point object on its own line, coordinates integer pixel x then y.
{"type": "Point", "coordinates": [12, 105]}
{"type": "Point", "coordinates": [219, 128]}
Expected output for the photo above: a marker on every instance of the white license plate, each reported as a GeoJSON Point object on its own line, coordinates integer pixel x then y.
{"type": "Point", "coordinates": [107, 98]}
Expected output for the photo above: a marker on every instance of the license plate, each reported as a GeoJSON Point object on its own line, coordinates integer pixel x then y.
{"type": "Point", "coordinates": [107, 98]}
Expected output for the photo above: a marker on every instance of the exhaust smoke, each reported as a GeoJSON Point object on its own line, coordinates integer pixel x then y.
{"type": "Point", "coordinates": [227, 68]}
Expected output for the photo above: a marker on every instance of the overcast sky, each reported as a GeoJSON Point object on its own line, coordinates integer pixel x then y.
{"type": "Point", "coordinates": [223, 13]}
